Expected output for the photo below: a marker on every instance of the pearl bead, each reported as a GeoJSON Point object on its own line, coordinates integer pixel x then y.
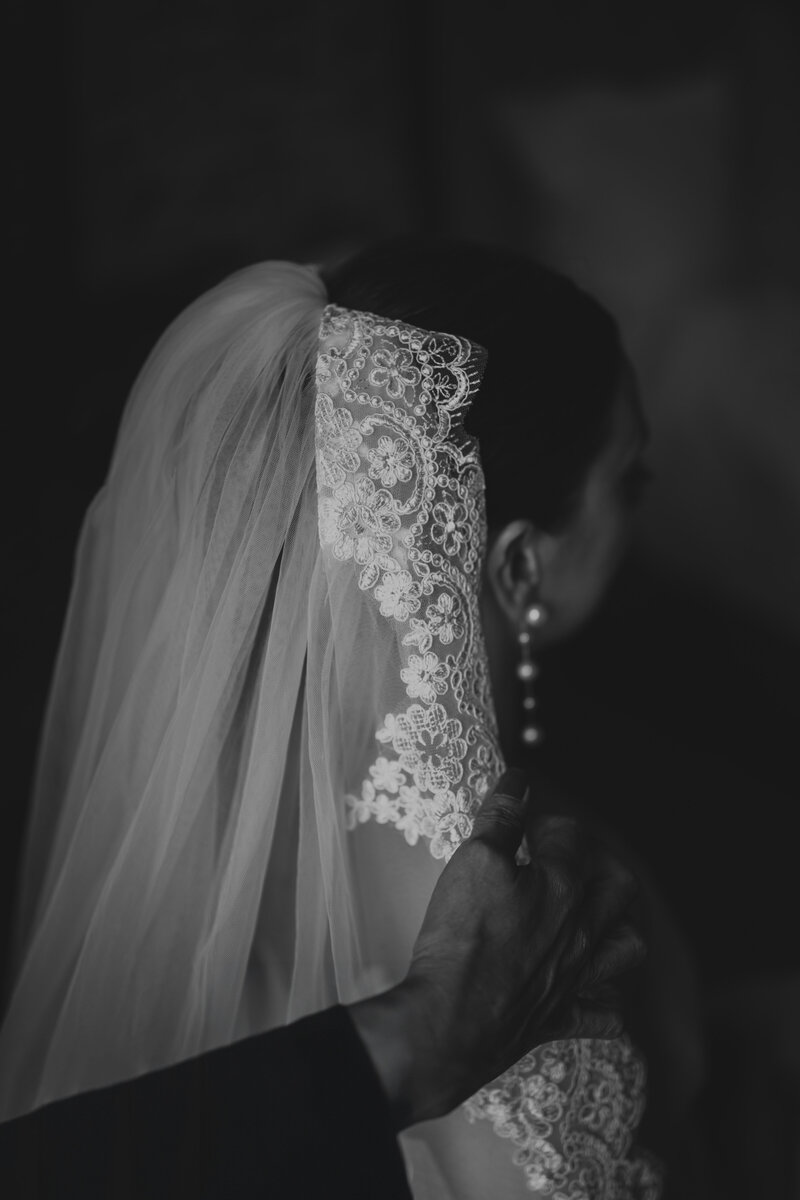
{"type": "Point", "coordinates": [535, 614]}
{"type": "Point", "coordinates": [530, 735]}
{"type": "Point", "coordinates": [525, 670]}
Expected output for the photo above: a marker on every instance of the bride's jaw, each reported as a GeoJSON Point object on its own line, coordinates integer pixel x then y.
{"type": "Point", "coordinates": [566, 572]}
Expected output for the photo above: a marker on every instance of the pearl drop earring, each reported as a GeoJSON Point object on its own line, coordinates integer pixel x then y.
{"type": "Point", "coordinates": [535, 617]}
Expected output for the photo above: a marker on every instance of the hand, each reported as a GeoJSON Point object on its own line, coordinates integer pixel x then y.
{"type": "Point", "coordinates": [507, 957]}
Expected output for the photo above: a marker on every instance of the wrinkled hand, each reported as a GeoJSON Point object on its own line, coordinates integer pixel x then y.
{"type": "Point", "coordinates": [507, 957]}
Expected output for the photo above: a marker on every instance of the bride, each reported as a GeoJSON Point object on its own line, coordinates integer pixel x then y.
{"type": "Point", "coordinates": [344, 511]}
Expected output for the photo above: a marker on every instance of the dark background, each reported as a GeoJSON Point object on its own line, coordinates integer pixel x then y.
{"type": "Point", "coordinates": [651, 152]}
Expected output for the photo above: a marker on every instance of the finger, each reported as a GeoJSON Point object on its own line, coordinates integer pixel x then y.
{"type": "Point", "coordinates": [580, 1018]}
{"type": "Point", "coordinates": [500, 822]}
{"type": "Point", "coordinates": [557, 855]}
{"type": "Point", "coordinates": [617, 889]}
{"type": "Point", "coordinates": [619, 951]}
{"type": "Point", "coordinates": [602, 995]}
{"type": "Point", "coordinates": [590, 1020]}
{"type": "Point", "coordinates": [580, 957]}
{"type": "Point", "coordinates": [608, 886]}
{"type": "Point", "coordinates": [610, 896]}
{"type": "Point", "coordinates": [555, 881]}
{"type": "Point", "coordinates": [555, 838]}
{"type": "Point", "coordinates": [575, 965]}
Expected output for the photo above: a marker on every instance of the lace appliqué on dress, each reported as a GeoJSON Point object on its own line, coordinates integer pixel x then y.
{"type": "Point", "coordinates": [571, 1109]}
{"type": "Point", "coordinates": [401, 495]}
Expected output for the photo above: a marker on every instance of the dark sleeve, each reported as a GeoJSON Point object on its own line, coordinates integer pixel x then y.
{"type": "Point", "coordinates": [295, 1112]}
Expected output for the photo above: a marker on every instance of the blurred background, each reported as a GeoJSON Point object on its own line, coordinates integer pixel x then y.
{"type": "Point", "coordinates": [650, 152]}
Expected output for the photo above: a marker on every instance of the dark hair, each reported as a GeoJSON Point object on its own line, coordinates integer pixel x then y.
{"type": "Point", "coordinates": [543, 412]}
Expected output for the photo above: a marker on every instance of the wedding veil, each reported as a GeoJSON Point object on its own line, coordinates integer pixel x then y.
{"type": "Point", "coordinates": [270, 724]}
{"type": "Point", "coordinates": [272, 639]}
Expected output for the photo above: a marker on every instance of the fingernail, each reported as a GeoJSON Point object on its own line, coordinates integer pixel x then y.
{"type": "Point", "coordinates": [513, 782]}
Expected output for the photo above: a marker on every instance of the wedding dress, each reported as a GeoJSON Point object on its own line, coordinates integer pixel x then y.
{"type": "Point", "coordinates": [270, 725]}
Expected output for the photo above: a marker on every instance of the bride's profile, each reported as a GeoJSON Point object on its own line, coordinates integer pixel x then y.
{"type": "Point", "coordinates": [346, 508]}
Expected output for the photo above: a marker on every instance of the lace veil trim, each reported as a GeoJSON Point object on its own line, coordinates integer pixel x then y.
{"type": "Point", "coordinates": [571, 1108]}
{"type": "Point", "coordinates": [401, 495]}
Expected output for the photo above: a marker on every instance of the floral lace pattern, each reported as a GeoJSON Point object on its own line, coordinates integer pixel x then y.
{"type": "Point", "coordinates": [401, 496]}
{"type": "Point", "coordinates": [571, 1108]}
{"type": "Point", "coordinates": [401, 500]}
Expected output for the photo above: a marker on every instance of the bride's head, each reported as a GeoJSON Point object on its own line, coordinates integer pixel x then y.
{"type": "Point", "coordinates": [557, 418]}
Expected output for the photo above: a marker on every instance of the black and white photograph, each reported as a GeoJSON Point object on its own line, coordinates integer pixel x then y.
{"type": "Point", "coordinates": [403, 605]}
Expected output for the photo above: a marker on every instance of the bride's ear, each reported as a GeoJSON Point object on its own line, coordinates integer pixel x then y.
{"type": "Point", "coordinates": [513, 568]}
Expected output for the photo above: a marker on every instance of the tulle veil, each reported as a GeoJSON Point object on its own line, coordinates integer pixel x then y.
{"type": "Point", "coordinates": [189, 876]}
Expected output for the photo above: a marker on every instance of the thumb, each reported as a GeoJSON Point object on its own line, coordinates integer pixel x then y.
{"type": "Point", "coordinates": [500, 822]}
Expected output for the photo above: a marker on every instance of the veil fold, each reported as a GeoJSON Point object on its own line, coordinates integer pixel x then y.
{"type": "Point", "coordinates": [272, 638]}
{"type": "Point", "coordinates": [165, 757]}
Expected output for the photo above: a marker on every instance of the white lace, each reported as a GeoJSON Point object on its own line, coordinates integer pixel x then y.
{"type": "Point", "coordinates": [401, 498]}
{"type": "Point", "coordinates": [571, 1109]}
{"type": "Point", "coordinates": [401, 494]}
